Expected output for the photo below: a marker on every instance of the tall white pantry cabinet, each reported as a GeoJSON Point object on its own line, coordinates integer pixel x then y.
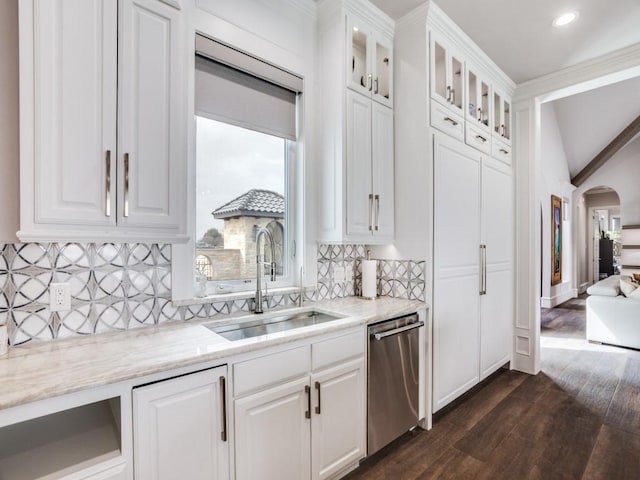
{"type": "Point", "coordinates": [449, 89]}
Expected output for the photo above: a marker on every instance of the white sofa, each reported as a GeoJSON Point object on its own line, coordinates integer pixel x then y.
{"type": "Point", "coordinates": [611, 317]}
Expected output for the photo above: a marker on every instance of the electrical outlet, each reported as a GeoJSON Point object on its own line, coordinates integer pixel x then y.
{"type": "Point", "coordinates": [59, 297]}
{"type": "Point", "coordinates": [338, 274]}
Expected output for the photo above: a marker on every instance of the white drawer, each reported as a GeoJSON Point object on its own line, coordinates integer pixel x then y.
{"type": "Point", "coordinates": [446, 121]}
{"type": "Point", "coordinates": [501, 151]}
{"type": "Point", "coordinates": [272, 369]}
{"type": "Point", "coordinates": [337, 350]}
{"type": "Point", "coordinates": [477, 138]}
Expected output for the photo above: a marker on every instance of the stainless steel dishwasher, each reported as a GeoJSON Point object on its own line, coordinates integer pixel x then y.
{"type": "Point", "coordinates": [392, 385]}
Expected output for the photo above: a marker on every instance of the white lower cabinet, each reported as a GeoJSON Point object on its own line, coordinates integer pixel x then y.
{"type": "Point", "coordinates": [311, 426]}
{"type": "Point", "coordinates": [272, 433]}
{"type": "Point", "coordinates": [337, 426]}
{"type": "Point", "coordinates": [180, 428]}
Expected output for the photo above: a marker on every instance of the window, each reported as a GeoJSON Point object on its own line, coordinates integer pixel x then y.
{"type": "Point", "coordinates": [241, 185]}
{"type": "Point", "coordinates": [245, 134]}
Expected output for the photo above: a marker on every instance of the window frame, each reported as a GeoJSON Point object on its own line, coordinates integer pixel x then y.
{"type": "Point", "coordinates": [288, 247]}
{"type": "Point", "coordinates": [184, 285]}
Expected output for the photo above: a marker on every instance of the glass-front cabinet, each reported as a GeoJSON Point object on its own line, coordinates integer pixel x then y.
{"type": "Point", "coordinates": [369, 61]}
{"type": "Point", "coordinates": [478, 99]}
{"type": "Point", "coordinates": [501, 117]}
{"type": "Point", "coordinates": [447, 71]}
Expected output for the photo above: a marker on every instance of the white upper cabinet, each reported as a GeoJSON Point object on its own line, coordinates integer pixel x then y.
{"type": "Point", "coordinates": [102, 121]}
{"type": "Point", "coordinates": [68, 104]}
{"type": "Point", "coordinates": [502, 117]}
{"type": "Point", "coordinates": [356, 133]}
{"type": "Point", "coordinates": [151, 121]}
{"type": "Point", "coordinates": [447, 75]}
{"type": "Point", "coordinates": [369, 61]}
{"type": "Point", "coordinates": [478, 99]}
{"type": "Point", "coordinates": [369, 199]}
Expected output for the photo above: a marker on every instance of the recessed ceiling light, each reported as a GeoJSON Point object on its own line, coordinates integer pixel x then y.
{"type": "Point", "coordinates": [355, 29]}
{"type": "Point", "coordinates": [565, 19]}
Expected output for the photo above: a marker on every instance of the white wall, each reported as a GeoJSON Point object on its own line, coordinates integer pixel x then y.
{"type": "Point", "coordinates": [9, 120]}
{"type": "Point", "coordinates": [555, 180]}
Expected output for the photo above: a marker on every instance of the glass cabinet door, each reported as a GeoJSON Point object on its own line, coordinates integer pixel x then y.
{"type": "Point", "coordinates": [477, 99]}
{"type": "Point", "coordinates": [501, 117]}
{"type": "Point", "coordinates": [359, 74]}
{"type": "Point", "coordinates": [439, 85]}
{"type": "Point", "coordinates": [447, 84]}
{"type": "Point", "coordinates": [383, 72]}
{"type": "Point", "coordinates": [457, 93]}
{"type": "Point", "coordinates": [506, 115]}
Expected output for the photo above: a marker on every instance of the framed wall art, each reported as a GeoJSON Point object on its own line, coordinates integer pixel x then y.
{"type": "Point", "coordinates": [556, 240]}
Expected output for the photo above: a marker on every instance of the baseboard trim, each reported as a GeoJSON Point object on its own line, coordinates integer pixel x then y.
{"type": "Point", "coordinates": [550, 302]}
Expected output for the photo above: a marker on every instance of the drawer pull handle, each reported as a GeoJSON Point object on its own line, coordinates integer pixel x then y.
{"type": "Point", "coordinates": [480, 137]}
{"type": "Point", "coordinates": [451, 120]}
{"type": "Point", "coordinates": [502, 150]}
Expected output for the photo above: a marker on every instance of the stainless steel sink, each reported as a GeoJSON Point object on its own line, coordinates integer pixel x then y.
{"type": "Point", "coordinates": [263, 326]}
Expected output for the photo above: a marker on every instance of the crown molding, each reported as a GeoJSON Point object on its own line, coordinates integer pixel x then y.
{"type": "Point", "coordinates": [616, 66]}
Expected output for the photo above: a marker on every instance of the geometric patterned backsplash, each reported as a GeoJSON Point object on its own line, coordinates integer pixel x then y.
{"type": "Point", "coordinates": [395, 278]}
{"type": "Point", "coordinates": [121, 286]}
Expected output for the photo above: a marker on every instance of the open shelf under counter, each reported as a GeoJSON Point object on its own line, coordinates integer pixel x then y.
{"type": "Point", "coordinates": [82, 442]}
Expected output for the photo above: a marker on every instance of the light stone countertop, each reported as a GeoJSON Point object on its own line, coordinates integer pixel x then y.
{"type": "Point", "coordinates": [42, 370]}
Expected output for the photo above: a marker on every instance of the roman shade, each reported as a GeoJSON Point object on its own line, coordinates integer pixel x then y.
{"type": "Point", "coordinates": [236, 88]}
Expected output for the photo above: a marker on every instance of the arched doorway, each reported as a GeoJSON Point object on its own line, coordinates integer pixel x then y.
{"type": "Point", "coordinates": [602, 234]}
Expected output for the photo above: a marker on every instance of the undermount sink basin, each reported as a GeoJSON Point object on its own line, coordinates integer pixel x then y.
{"type": "Point", "coordinates": [263, 326]}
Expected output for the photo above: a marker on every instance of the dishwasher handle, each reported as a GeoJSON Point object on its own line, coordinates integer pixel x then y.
{"type": "Point", "coordinates": [395, 331]}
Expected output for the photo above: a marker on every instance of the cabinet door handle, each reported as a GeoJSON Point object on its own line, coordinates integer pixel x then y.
{"type": "Point", "coordinates": [480, 275]}
{"type": "Point", "coordinates": [451, 120]}
{"type": "Point", "coordinates": [370, 212]}
{"type": "Point", "coordinates": [307, 390]}
{"type": "Point", "coordinates": [318, 389]}
{"type": "Point", "coordinates": [484, 269]}
{"type": "Point", "coordinates": [370, 82]}
{"type": "Point", "coordinates": [448, 94]}
{"type": "Point", "coordinates": [453, 96]}
{"type": "Point", "coordinates": [480, 137]}
{"type": "Point", "coordinates": [503, 130]}
{"type": "Point", "coordinates": [377, 197]}
{"type": "Point", "coordinates": [375, 82]}
{"type": "Point", "coordinates": [107, 205]}
{"type": "Point", "coordinates": [126, 184]}
{"type": "Point", "coordinates": [223, 404]}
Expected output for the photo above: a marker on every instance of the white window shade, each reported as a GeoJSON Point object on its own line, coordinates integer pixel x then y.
{"type": "Point", "coordinates": [229, 94]}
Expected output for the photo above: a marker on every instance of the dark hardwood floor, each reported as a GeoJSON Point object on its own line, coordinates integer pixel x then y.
{"type": "Point", "coordinates": [579, 418]}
